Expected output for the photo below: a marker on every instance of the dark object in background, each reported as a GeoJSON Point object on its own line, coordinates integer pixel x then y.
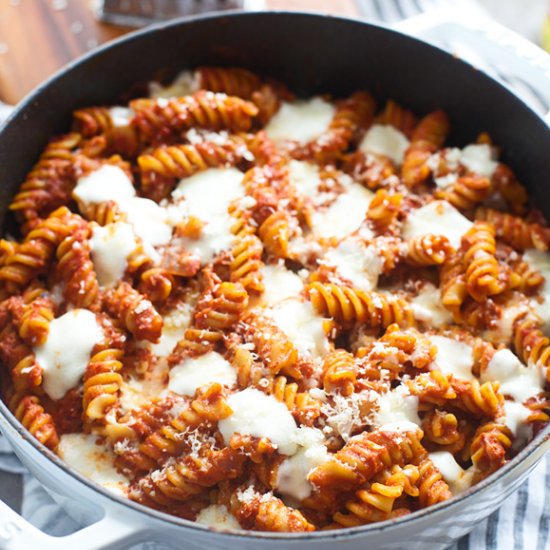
{"type": "Point", "coordinates": [137, 13]}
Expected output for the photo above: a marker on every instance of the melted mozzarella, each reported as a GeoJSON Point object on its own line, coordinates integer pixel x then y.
{"type": "Point", "coordinates": [111, 245]}
{"type": "Point", "coordinates": [516, 380]}
{"type": "Point", "coordinates": [185, 83]}
{"type": "Point", "coordinates": [217, 515]}
{"type": "Point", "coordinates": [65, 354]}
{"type": "Point", "coordinates": [108, 183]}
{"type": "Point", "coordinates": [279, 284]}
{"type": "Point", "coordinates": [149, 220]}
{"type": "Point", "coordinates": [359, 264]}
{"type": "Point", "coordinates": [301, 121]}
{"type": "Point", "coordinates": [260, 415]}
{"type": "Point", "coordinates": [397, 411]}
{"type": "Point", "coordinates": [515, 419]}
{"type": "Point", "coordinates": [457, 478]}
{"type": "Point", "coordinates": [195, 372]}
{"type": "Point", "coordinates": [292, 473]}
{"type": "Point", "coordinates": [302, 326]}
{"type": "Point", "coordinates": [439, 218]}
{"type": "Point", "coordinates": [344, 215]}
{"type": "Point", "coordinates": [502, 331]}
{"type": "Point", "coordinates": [453, 357]}
{"type": "Point", "coordinates": [427, 307]}
{"type": "Point", "coordinates": [208, 195]}
{"type": "Point", "coordinates": [92, 460]}
{"type": "Point", "coordinates": [121, 116]}
{"type": "Point", "coordinates": [382, 139]}
{"type": "Point", "coordinates": [173, 329]}
{"type": "Point", "coordinates": [541, 262]}
{"type": "Point", "coordinates": [478, 158]}
{"type": "Point", "coordinates": [304, 176]}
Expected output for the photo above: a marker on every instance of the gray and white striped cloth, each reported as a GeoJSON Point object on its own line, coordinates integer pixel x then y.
{"type": "Point", "coordinates": [522, 523]}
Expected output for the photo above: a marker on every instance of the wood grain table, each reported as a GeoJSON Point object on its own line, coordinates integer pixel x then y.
{"type": "Point", "coordinates": [37, 37]}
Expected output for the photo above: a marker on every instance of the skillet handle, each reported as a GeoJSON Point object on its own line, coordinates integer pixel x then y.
{"type": "Point", "coordinates": [473, 36]}
{"type": "Point", "coordinates": [112, 532]}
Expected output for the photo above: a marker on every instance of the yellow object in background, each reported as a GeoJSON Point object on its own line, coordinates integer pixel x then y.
{"type": "Point", "coordinates": [546, 34]}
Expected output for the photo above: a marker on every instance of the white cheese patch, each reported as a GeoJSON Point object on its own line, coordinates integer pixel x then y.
{"type": "Point", "coordinates": [208, 195]}
{"type": "Point", "coordinates": [65, 354]}
{"type": "Point", "coordinates": [540, 261]}
{"type": "Point", "coordinates": [149, 220]}
{"type": "Point", "coordinates": [478, 158]}
{"type": "Point", "coordinates": [279, 284]}
{"type": "Point", "coordinates": [439, 218]}
{"type": "Point", "coordinates": [185, 83]}
{"type": "Point", "coordinates": [260, 415]}
{"type": "Point", "coordinates": [195, 372]}
{"type": "Point", "coordinates": [453, 357]}
{"type": "Point", "coordinates": [456, 477]}
{"type": "Point", "coordinates": [304, 176]}
{"type": "Point", "coordinates": [293, 472]}
{"type": "Point", "coordinates": [515, 419]}
{"type": "Point", "coordinates": [502, 331]}
{"type": "Point", "coordinates": [397, 411]}
{"type": "Point", "coordinates": [173, 329]}
{"type": "Point", "coordinates": [443, 182]}
{"type": "Point", "coordinates": [152, 223]}
{"type": "Point", "coordinates": [428, 308]}
{"type": "Point", "coordinates": [516, 379]}
{"type": "Point", "coordinates": [92, 460]}
{"type": "Point", "coordinates": [359, 264]}
{"type": "Point", "coordinates": [301, 121]}
{"type": "Point", "coordinates": [217, 515]}
{"type": "Point", "coordinates": [108, 183]}
{"type": "Point", "coordinates": [384, 139]}
{"type": "Point", "coordinates": [302, 326]}
{"type": "Point", "coordinates": [111, 245]}
{"type": "Point", "coordinates": [344, 215]}
{"type": "Point", "coordinates": [121, 116]}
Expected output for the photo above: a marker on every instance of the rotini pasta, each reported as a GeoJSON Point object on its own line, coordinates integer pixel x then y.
{"type": "Point", "coordinates": [290, 314]}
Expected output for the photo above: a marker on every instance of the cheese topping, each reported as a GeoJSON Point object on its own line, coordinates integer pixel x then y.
{"type": "Point", "coordinates": [92, 459]}
{"type": "Point", "coordinates": [344, 215]}
{"type": "Point", "coordinates": [515, 419]}
{"type": "Point", "coordinates": [208, 195]}
{"type": "Point", "coordinates": [359, 264]}
{"type": "Point", "coordinates": [439, 218]}
{"type": "Point", "coordinates": [65, 354]}
{"type": "Point", "coordinates": [108, 183]}
{"type": "Point", "coordinates": [173, 329]}
{"type": "Point", "coordinates": [121, 116]}
{"type": "Point", "coordinates": [304, 176]}
{"type": "Point", "coordinates": [456, 477]}
{"type": "Point", "coordinates": [302, 325]}
{"type": "Point", "coordinates": [453, 357]}
{"type": "Point", "coordinates": [397, 411]}
{"type": "Point", "coordinates": [279, 284]}
{"type": "Point", "coordinates": [516, 380]}
{"type": "Point", "coordinates": [217, 515]}
{"type": "Point", "coordinates": [478, 158]}
{"type": "Point", "coordinates": [292, 473]}
{"type": "Point", "coordinates": [428, 308]}
{"type": "Point", "coordinates": [195, 372]}
{"type": "Point", "coordinates": [111, 245]}
{"type": "Point", "coordinates": [260, 415]}
{"type": "Point", "coordinates": [540, 261]}
{"type": "Point", "coordinates": [301, 121]}
{"type": "Point", "coordinates": [185, 83]}
{"type": "Point", "coordinates": [384, 139]}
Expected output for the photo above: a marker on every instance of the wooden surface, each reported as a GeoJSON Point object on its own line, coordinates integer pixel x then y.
{"type": "Point", "coordinates": [37, 37]}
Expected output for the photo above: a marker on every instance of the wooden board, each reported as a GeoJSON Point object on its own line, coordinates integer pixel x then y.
{"type": "Point", "coordinates": [37, 37]}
